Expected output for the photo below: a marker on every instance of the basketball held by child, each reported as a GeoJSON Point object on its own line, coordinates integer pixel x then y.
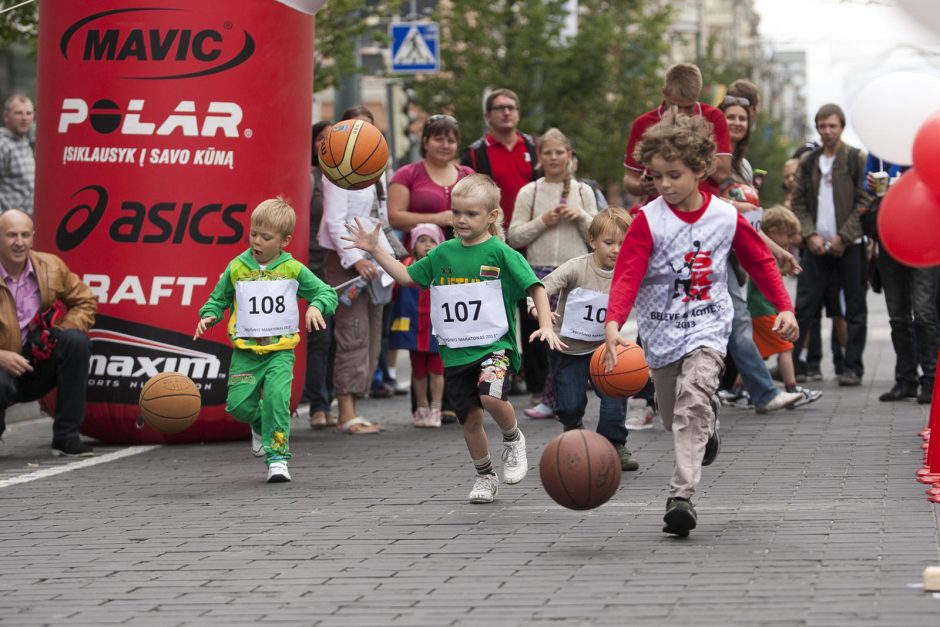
{"type": "Point", "coordinates": [580, 469]}
{"type": "Point", "coordinates": [354, 154]}
{"type": "Point", "coordinates": [629, 375]}
{"type": "Point", "coordinates": [744, 193]}
{"type": "Point", "coordinates": [170, 402]}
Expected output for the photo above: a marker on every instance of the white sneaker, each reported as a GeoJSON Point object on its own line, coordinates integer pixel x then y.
{"type": "Point", "coordinates": [515, 462]}
{"type": "Point", "coordinates": [640, 416]}
{"type": "Point", "coordinates": [539, 411]}
{"type": "Point", "coordinates": [420, 417]}
{"type": "Point", "coordinates": [781, 400]}
{"type": "Point", "coordinates": [434, 419]}
{"type": "Point", "coordinates": [257, 446]}
{"type": "Point", "coordinates": [277, 472]}
{"type": "Point", "coordinates": [808, 396]}
{"type": "Point", "coordinates": [484, 489]}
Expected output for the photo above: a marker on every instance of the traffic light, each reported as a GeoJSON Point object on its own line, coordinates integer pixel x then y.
{"type": "Point", "coordinates": [405, 143]}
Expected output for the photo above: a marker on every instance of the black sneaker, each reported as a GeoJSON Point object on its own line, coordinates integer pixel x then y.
{"type": "Point", "coordinates": [72, 448]}
{"type": "Point", "coordinates": [899, 392]}
{"type": "Point", "coordinates": [578, 425]}
{"type": "Point", "coordinates": [713, 446]}
{"type": "Point", "coordinates": [680, 516]}
{"type": "Point", "coordinates": [926, 394]}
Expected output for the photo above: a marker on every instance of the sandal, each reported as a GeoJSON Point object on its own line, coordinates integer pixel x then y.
{"type": "Point", "coordinates": [358, 426]}
{"type": "Point", "coordinates": [318, 420]}
{"type": "Point", "coordinates": [331, 419]}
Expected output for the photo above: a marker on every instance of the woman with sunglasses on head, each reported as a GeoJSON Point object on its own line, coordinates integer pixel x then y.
{"type": "Point", "coordinates": [420, 192]}
{"type": "Point", "coordinates": [744, 352]}
{"type": "Point", "coordinates": [738, 115]}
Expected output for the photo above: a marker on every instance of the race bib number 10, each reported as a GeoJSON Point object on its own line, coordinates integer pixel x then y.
{"type": "Point", "coordinates": [468, 314]}
{"type": "Point", "coordinates": [266, 308]}
{"type": "Point", "coordinates": [585, 314]}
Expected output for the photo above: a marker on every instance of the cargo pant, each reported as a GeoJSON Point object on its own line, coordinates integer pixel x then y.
{"type": "Point", "coordinates": [259, 388]}
{"type": "Point", "coordinates": [683, 391]}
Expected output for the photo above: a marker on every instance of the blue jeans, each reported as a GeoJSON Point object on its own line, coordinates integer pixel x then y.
{"type": "Point", "coordinates": [571, 377]}
{"type": "Point", "coordinates": [741, 346]}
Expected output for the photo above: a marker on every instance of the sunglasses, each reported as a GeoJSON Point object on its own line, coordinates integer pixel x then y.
{"type": "Point", "coordinates": [442, 116]}
{"type": "Point", "coordinates": [735, 100]}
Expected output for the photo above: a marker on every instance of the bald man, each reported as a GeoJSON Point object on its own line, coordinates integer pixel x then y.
{"type": "Point", "coordinates": [35, 288]}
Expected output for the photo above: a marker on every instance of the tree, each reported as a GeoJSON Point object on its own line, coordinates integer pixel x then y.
{"type": "Point", "coordinates": [340, 25]}
{"type": "Point", "coordinates": [20, 25]}
{"type": "Point", "coordinates": [591, 86]}
{"type": "Point", "coordinates": [768, 148]}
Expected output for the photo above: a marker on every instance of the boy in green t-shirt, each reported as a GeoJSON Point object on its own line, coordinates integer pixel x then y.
{"type": "Point", "coordinates": [475, 282]}
{"type": "Point", "coordinates": [261, 286]}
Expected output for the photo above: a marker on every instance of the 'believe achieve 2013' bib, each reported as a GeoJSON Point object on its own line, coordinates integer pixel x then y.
{"type": "Point", "coordinates": [266, 308]}
{"type": "Point", "coordinates": [585, 314]}
{"type": "Point", "coordinates": [468, 314]}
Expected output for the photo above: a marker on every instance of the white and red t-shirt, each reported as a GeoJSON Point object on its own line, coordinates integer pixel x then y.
{"type": "Point", "coordinates": [719, 134]}
{"type": "Point", "coordinates": [673, 268]}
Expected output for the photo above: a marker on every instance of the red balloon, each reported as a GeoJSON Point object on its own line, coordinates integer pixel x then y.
{"type": "Point", "coordinates": [927, 152]}
{"type": "Point", "coordinates": [909, 221]}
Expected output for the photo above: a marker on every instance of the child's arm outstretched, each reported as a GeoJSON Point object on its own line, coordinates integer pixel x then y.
{"type": "Point", "coordinates": [219, 300]}
{"type": "Point", "coordinates": [545, 331]}
{"type": "Point", "coordinates": [368, 241]}
{"type": "Point", "coordinates": [203, 326]}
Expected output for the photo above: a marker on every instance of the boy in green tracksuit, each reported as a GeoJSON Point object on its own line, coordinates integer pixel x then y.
{"type": "Point", "coordinates": [260, 286]}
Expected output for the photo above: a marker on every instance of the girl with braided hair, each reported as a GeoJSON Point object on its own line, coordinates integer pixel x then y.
{"type": "Point", "coordinates": [550, 223]}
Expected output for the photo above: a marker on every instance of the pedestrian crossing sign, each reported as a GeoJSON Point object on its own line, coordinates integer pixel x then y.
{"type": "Point", "coordinates": [415, 47]}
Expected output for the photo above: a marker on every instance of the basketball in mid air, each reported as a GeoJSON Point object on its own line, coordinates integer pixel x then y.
{"type": "Point", "coordinates": [354, 154]}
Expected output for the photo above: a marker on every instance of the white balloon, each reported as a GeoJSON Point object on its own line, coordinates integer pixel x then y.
{"type": "Point", "coordinates": [924, 11]}
{"type": "Point", "coordinates": [888, 111]}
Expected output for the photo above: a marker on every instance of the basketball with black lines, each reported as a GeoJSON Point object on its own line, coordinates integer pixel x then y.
{"type": "Point", "coordinates": [354, 154]}
{"type": "Point", "coordinates": [580, 469]}
{"type": "Point", "coordinates": [170, 402]}
{"type": "Point", "coordinates": [629, 375]}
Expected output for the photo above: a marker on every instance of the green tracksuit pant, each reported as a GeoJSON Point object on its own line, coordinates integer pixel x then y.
{"type": "Point", "coordinates": [259, 389]}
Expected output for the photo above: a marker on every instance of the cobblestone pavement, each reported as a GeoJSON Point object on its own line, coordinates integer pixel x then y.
{"type": "Point", "coordinates": [808, 517]}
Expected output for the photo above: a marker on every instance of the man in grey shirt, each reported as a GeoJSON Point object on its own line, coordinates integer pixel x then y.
{"type": "Point", "coordinates": [17, 164]}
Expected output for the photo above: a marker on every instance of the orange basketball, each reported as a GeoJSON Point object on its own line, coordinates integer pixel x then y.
{"type": "Point", "coordinates": [170, 402]}
{"type": "Point", "coordinates": [629, 375]}
{"type": "Point", "coordinates": [354, 154]}
{"type": "Point", "coordinates": [580, 469]}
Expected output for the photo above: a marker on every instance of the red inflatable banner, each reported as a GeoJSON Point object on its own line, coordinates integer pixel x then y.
{"type": "Point", "coordinates": [161, 125]}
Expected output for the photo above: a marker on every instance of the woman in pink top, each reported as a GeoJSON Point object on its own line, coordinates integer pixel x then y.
{"type": "Point", "coordinates": [420, 192]}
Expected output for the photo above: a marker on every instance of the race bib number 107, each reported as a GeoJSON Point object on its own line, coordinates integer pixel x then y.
{"type": "Point", "coordinates": [468, 314]}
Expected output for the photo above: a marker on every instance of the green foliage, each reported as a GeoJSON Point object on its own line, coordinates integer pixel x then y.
{"type": "Point", "coordinates": [769, 150]}
{"type": "Point", "coordinates": [21, 25]}
{"type": "Point", "coordinates": [340, 24]}
{"type": "Point", "coordinates": [590, 87]}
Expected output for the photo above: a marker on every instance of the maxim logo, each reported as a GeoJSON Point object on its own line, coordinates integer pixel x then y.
{"type": "Point", "coordinates": [176, 48]}
{"type": "Point", "coordinates": [194, 364]}
{"type": "Point", "coordinates": [126, 354]}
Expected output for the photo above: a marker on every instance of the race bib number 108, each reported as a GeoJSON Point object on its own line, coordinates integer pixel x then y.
{"type": "Point", "coordinates": [266, 308]}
